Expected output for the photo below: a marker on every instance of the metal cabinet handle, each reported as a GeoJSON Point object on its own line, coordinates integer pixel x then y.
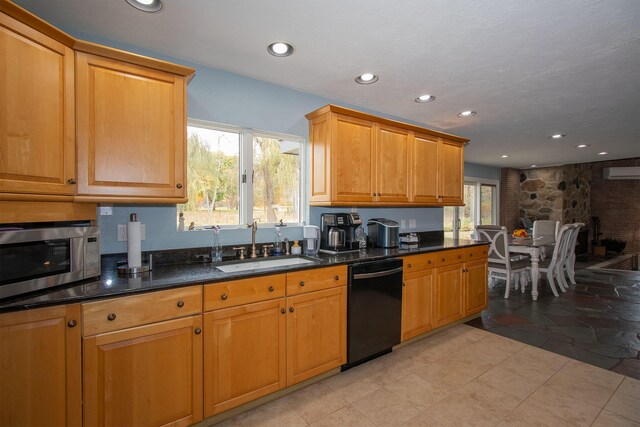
{"type": "Point", "coordinates": [291, 309]}
{"type": "Point", "coordinates": [471, 255]}
{"type": "Point", "coordinates": [71, 180]}
{"type": "Point", "coordinates": [459, 256]}
{"type": "Point", "coordinates": [198, 331]}
{"type": "Point", "coordinates": [336, 278]}
{"type": "Point", "coordinates": [223, 297]}
{"type": "Point", "coordinates": [403, 284]}
{"type": "Point", "coordinates": [301, 282]}
{"type": "Point", "coordinates": [72, 323]}
{"type": "Point", "coordinates": [111, 316]}
{"type": "Point", "coordinates": [444, 259]}
{"type": "Point", "coordinates": [178, 185]}
{"type": "Point", "coordinates": [408, 265]}
{"type": "Point", "coordinates": [180, 304]}
{"type": "Point", "coordinates": [283, 311]}
{"type": "Point", "coordinates": [429, 262]}
{"type": "Point", "coordinates": [271, 289]}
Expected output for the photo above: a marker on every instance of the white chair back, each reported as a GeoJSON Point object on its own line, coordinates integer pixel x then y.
{"type": "Point", "coordinates": [497, 237]}
{"type": "Point", "coordinates": [546, 228]}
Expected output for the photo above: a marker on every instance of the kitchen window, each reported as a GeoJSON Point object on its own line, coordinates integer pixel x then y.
{"type": "Point", "coordinates": [235, 175]}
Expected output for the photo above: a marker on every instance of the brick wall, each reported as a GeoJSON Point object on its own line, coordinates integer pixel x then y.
{"type": "Point", "coordinates": [617, 204]}
{"type": "Point", "coordinates": [510, 198]}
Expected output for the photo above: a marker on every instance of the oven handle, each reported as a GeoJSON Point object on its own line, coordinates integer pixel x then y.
{"type": "Point", "coordinates": [377, 274]}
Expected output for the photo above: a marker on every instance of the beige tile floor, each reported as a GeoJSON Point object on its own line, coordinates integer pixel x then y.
{"type": "Point", "coordinates": [460, 377]}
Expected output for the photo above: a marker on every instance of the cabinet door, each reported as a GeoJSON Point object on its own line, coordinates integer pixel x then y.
{"type": "Point", "coordinates": [320, 142]}
{"type": "Point", "coordinates": [145, 376]}
{"type": "Point", "coordinates": [451, 171]}
{"type": "Point", "coordinates": [40, 367]}
{"type": "Point", "coordinates": [352, 158]}
{"type": "Point", "coordinates": [244, 353]}
{"type": "Point", "coordinates": [392, 165]}
{"type": "Point", "coordinates": [475, 287]}
{"type": "Point", "coordinates": [424, 186]}
{"type": "Point", "coordinates": [417, 304]}
{"type": "Point", "coordinates": [316, 333]}
{"type": "Point", "coordinates": [448, 295]}
{"type": "Point", "coordinates": [37, 129]}
{"type": "Point", "coordinates": [131, 130]}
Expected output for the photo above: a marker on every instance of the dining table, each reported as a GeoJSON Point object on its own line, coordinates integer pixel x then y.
{"type": "Point", "coordinates": [534, 247]}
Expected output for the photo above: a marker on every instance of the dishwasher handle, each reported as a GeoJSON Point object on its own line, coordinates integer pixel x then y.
{"type": "Point", "coordinates": [377, 274]}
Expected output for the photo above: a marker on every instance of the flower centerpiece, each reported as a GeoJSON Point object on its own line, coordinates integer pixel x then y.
{"type": "Point", "coordinates": [519, 233]}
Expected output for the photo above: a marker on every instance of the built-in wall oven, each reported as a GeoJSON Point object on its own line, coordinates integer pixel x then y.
{"type": "Point", "coordinates": [32, 259]}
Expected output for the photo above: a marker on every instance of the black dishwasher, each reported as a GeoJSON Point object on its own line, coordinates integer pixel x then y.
{"type": "Point", "coordinates": [374, 309]}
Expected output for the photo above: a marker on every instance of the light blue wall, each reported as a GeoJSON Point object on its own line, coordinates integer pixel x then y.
{"type": "Point", "coordinates": [228, 98]}
{"type": "Point", "coordinates": [481, 171]}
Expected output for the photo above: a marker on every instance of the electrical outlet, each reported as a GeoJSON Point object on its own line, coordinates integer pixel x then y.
{"type": "Point", "coordinates": [122, 232]}
{"type": "Point", "coordinates": [403, 224]}
{"type": "Point", "coordinates": [106, 210]}
{"type": "Point", "coordinates": [412, 223]}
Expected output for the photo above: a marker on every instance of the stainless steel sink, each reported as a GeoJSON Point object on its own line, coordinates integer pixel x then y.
{"type": "Point", "coordinates": [263, 263]}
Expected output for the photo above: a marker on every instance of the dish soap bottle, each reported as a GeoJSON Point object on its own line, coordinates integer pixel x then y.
{"type": "Point", "coordinates": [216, 249]}
{"type": "Point", "coordinates": [277, 242]}
{"type": "Point", "coordinates": [296, 249]}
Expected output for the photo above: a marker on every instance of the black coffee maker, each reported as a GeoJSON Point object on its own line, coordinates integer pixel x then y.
{"type": "Point", "coordinates": [337, 232]}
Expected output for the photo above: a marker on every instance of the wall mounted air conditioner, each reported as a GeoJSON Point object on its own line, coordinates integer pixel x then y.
{"type": "Point", "coordinates": [628, 172]}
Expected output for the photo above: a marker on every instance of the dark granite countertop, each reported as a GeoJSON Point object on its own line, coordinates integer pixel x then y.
{"type": "Point", "coordinates": [197, 273]}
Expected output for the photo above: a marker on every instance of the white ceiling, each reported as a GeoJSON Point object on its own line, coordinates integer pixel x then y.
{"type": "Point", "coordinates": [530, 68]}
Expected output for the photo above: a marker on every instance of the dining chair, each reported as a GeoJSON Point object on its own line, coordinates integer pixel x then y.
{"type": "Point", "coordinates": [546, 228]}
{"type": "Point", "coordinates": [570, 259]}
{"type": "Point", "coordinates": [500, 264]}
{"type": "Point", "coordinates": [552, 266]}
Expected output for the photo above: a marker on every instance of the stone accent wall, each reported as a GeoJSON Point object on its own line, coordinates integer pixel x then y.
{"type": "Point", "coordinates": [509, 198]}
{"type": "Point", "coordinates": [541, 193]}
{"type": "Point", "coordinates": [576, 198]}
{"type": "Point", "coordinates": [617, 204]}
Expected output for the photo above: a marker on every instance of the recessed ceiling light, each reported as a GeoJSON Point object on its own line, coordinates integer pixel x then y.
{"type": "Point", "coordinates": [582, 146]}
{"type": "Point", "coordinates": [603, 153]}
{"type": "Point", "coordinates": [147, 5]}
{"type": "Point", "coordinates": [366, 79]}
{"type": "Point", "coordinates": [425, 98]}
{"type": "Point", "coordinates": [504, 156]}
{"type": "Point", "coordinates": [467, 113]}
{"type": "Point", "coordinates": [280, 49]}
{"type": "Point", "coordinates": [557, 136]}
{"type": "Point", "coordinates": [533, 166]}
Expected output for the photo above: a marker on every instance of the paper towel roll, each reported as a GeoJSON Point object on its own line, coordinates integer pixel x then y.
{"type": "Point", "coordinates": [134, 243]}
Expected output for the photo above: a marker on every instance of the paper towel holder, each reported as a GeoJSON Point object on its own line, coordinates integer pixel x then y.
{"type": "Point", "coordinates": [124, 269]}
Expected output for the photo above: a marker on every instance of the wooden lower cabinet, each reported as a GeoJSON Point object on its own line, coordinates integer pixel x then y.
{"type": "Point", "coordinates": [144, 376]}
{"type": "Point", "coordinates": [244, 354]}
{"type": "Point", "coordinates": [475, 286]}
{"type": "Point", "coordinates": [448, 297]}
{"type": "Point", "coordinates": [316, 333]}
{"type": "Point", "coordinates": [40, 367]}
{"type": "Point", "coordinates": [417, 297]}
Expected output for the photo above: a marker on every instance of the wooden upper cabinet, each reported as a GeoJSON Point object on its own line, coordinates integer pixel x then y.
{"type": "Point", "coordinates": [424, 169]}
{"type": "Point", "coordinates": [37, 135]}
{"type": "Point", "coordinates": [361, 159]}
{"type": "Point", "coordinates": [451, 172]}
{"type": "Point", "coordinates": [40, 375]}
{"type": "Point", "coordinates": [131, 130]}
{"type": "Point", "coordinates": [352, 177]}
{"type": "Point", "coordinates": [392, 165]}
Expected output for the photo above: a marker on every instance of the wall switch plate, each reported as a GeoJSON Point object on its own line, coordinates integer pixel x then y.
{"type": "Point", "coordinates": [106, 210]}
{"type": "Point", "coordinates": [412, 223]}
{"type": "Point", "coordinates": [122, 232]}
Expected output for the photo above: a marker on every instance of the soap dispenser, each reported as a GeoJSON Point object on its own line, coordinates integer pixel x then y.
{"type": "Point", "coordinates": [277, 242]}
{"type": "Point", "coordinates": [216, 248]}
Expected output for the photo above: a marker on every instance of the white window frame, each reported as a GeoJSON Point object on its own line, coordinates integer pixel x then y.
{"type": "Point", "coordinates": [477, 182]}
{"type": "Point", "coordinates": [245, 166]}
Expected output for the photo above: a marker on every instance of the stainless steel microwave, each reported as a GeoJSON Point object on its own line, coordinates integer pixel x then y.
{"type": "Point", "coordinates": [36, 259]}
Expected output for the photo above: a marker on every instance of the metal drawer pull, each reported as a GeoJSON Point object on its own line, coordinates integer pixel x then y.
{"type": "Point", "coordinates": [337, 278]}
{"type": "Point", "coordinates": [283, 311]}
{"type": "Point", "coordinates": [302, 283]}
{"type": "Point", "coordinates": [291, 309]}
{"type": "Point", "coordinates": [180, 304]}
{"type": "Point", "coordinates": [72, 323]}
{"type": "Point", "coordinates": [178, 185]}
{"type": "Point", "coordinates": [223, 297]}
{"type": "Point", "coordinates": [71, 180]}
{"type": "Point", "coordinates": [111, 316]}
{"type": "Point", "coordinates": [378, 274]}
{"type": "Point", "coordinates": [408, 265]}
{"type": "Point", "coordinates": [271, 289]}
{"type": "Point", "coordinates": [198, 331]}
{"type": "Point", "coordinates": [429, 262]}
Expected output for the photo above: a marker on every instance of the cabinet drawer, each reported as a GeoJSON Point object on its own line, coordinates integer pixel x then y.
{"type": "Point", "coordinates": [475, 252]}
{"type": "Point", "coordinates": [300, 282]}
{"type": "Point", "coordinates": [245, 291]}
{"type": "Point", "coordinates": [415, 263]}
{"type": "Point", "coordinates": [453, 256]}
{"type": "Point", "coordinates": [120, 313]}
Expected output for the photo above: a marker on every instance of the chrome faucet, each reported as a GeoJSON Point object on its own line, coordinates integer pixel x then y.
{"type": "Point", "coordinates": [254, 228]}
